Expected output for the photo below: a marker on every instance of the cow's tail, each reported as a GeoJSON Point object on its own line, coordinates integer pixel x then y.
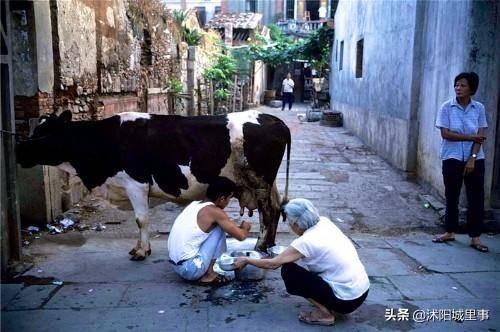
{"type": "Point", "coordinates": [288, 148]}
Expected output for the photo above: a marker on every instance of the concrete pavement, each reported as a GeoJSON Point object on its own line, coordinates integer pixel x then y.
{"type": "Point", "coordinates": [416, 285]}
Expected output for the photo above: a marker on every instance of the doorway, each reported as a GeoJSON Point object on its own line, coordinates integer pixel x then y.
{"type": "Point", "coordinates": [312, 7]}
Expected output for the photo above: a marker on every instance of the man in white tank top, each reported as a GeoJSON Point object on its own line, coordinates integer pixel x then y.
{"type": "Point", "coordinates": [198, 235]}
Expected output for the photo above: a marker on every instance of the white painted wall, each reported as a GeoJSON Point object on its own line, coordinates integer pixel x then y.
{"type": "Point", "coordinates": [457, 36]}
{"type": "Point", "coordinates": [412, 52]}
{"type": "Point", "coordinates": [377, 106]}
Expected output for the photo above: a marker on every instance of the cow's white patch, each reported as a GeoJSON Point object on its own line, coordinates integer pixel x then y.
{"type": "Point", "coordinates": [195, 190]}
{"type": "Point", "coordinates": [132, 116]}
{"type": "Point", "coordinates": [186, 170]}
{"type": "Point", "coordinates": [67, 168]}
{"type": "Point", "coordinates": [236, 122]}
{"type": "Point", "coordinates": [136, 192]}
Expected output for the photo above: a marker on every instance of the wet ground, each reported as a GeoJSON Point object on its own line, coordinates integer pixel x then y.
{"type": "Point", "coordinates": [83, 280]}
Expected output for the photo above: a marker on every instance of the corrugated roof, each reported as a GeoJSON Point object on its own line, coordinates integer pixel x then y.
{"type": "Point", "coordinates": [239, 20]}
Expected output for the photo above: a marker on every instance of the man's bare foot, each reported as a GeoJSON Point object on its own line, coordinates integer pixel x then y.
{"type": "Point", "coordinates": [208, 277]}
{"type": "Point", "coordinates": [218, 281]}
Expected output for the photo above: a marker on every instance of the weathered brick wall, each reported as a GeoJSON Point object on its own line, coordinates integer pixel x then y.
{"type": "Point", "coordinates": [108, 56]}
{"type": "Point", "coordinates": [113, 48]}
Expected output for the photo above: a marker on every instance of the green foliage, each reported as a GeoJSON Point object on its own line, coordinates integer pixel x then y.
{"type": "Point", "coordinates": [191, 36]}
{"type": "Point", "coordinates": [222, 94]}
{"type": "Point", "coordinates": [315, 49]}
{"type": "Point", "coordinates": [221, 74]}
{"type": "Point", "coordinates": [222, 71]}
{"type": "Point", "coordinates": [277, 35]}
{"type": "Point", "coordinates": [179, 17]}
{"type": "Point", "coordinates": [173, 85]}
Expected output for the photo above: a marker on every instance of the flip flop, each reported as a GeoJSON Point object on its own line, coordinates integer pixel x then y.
{"type": "Point", "coordinates": [219, 281]}
{"type": "Point", "coordinates": [479, 247]}
{"type": "Point", "coordinates": [306, 318]}
{"type": "Point", "coordinates": [442, 239]}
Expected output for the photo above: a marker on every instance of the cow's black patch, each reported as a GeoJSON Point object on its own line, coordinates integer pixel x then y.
{"type": "Point", "coordinates": [152, 149]}
{"type": "Point", "coordinates": [145, 149]}
{"type": "Point", "coordinates": [265, 144]}
{"type": "Point", "coordinates": [93, 149]}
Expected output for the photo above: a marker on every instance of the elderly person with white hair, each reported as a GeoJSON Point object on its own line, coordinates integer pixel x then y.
{"type": "Point", "coordinates": [334, 279]}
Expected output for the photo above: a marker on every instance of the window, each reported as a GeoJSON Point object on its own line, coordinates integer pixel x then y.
{"type": "Point", "coordinates": [336, 50]}
{"type": "Point", "coordinates": [341, 60]}
{"type": "Point", "coordinates": [217, 10]}
{"type": "Point", "coordinates": [289, 15]}
{"type": "Point", "coordinates": [252, 6]}
{"type": "Point", "coordinates": [359, 58]}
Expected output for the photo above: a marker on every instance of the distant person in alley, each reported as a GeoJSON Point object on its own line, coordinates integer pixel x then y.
{"type": "Point", "coordinates": [462, 122]}
{"type": "Point", "coordinates": [198, 236]}
{"type": "Point", "coordinates": [287, 86]}
{"type": "Point", "coordinates": [330, 274]}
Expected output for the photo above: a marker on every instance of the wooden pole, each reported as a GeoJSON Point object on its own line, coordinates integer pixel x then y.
{"type": "Point", "coordinates": [241, 97]}
{"type": "Point", "coordinates": [235, 88]}
{"type": "Point", "coordinates": [211, 97]}
{"type": "Point", "coordinates": [198, 91]}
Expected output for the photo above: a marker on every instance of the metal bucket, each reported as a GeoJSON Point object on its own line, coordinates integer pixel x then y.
{"type": "Point", "coordinates": [249, 272]}
{"type": "Point", "coordinates": [313, 115]}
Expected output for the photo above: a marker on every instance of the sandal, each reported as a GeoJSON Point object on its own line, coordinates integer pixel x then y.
{"type": "Point", "coordinates": [308, 319]}
{"type": "Point", "coordinates": [218, 281]}
{"type": "Point", "coordinates": [442, 239]}
{"type": "Point", "coordinates": [479, 247]}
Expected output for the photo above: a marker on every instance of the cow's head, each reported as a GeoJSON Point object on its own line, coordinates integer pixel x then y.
{"type": "Point", "coordinates": [46, 145]}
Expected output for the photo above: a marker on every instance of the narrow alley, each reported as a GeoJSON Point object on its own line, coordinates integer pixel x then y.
{"type": "Point", "coordinates": [84, 280]}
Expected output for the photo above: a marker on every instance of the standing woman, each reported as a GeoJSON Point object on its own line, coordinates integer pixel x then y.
{"type": "Point", "coordinates": [333, 280]}
{"type": "Point", "coordinates": [462, 122]}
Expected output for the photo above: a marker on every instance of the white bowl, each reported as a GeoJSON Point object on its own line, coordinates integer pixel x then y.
{"type": "Point", "coordinates": [226, 263]}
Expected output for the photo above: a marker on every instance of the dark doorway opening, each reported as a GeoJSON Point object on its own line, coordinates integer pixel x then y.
{"type": "Point", "coordinates": [312, 7]}
{"type": "Point", "coordinates": [202, 15]}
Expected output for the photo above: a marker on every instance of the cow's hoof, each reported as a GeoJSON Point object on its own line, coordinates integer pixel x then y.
{"type": "Point", "coordinates": [148, 253]}
{"type": "Point", "coordinates": [137, 258]}
{"type": "Point", "coordinates": [132, 252]}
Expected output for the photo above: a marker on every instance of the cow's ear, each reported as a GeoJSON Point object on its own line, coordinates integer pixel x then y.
{"type": "Point", "coordinates": [65, 116]}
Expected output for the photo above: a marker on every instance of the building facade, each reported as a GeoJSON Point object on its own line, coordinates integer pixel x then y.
{"type": "Point", "coordinates": [393, 65]}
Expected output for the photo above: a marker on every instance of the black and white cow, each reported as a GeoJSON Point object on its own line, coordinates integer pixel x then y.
{"type": "Point", "coordinates": [170, 157]}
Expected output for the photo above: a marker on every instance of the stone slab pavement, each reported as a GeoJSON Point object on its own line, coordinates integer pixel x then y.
{"type": "Point", "coordinates": [85, 281]}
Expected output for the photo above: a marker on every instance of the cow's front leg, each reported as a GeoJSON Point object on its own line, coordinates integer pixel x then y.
{"type": "Point", "coordinates": [138, 195]}
{"type": "Point", "coordinates": [269, 213]}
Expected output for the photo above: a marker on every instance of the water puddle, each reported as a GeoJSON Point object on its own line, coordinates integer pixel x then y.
{"type": "Point", "coordinates": [32, 280]}
{"type": "Point", "coordinates": [254, 292]}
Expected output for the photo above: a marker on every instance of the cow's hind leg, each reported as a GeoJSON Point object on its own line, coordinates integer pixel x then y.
{"type": "Point", "coordinates": [269, 213]}
{"type": "Point", "coordinates": [138, 195]}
